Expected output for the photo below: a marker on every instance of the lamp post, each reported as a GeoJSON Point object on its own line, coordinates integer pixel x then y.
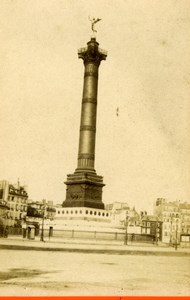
{"type": "Point", "coordinates": [176, 235]}
{"type": "Point", "coordinates": [5, 232]}
{"type": "Point", "coordinates": [157, 233]}
{"type": "Point", "coordinates": [42, 231]}
{"type": "Point", "coordinates": [23, 222]}
{"type": "Point", "coordinates": [5, 217]}
{"type": "Point", "coordinates": [171, 222]}
{"type": "Point", "coordinates": [126, 229]}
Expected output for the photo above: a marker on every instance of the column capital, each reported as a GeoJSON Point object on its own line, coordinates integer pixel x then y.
{"type": "Point", "coordinates": [92, 53]}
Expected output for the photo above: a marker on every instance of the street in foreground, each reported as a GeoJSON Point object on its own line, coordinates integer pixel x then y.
{"type": "Point", "coordinates": [62, 274]}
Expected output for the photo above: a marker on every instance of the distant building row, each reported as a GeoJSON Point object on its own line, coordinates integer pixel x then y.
{"type": "Point", "coordinates": [170, 222]}
{"type": "Point", "coordinates": [16, 208]}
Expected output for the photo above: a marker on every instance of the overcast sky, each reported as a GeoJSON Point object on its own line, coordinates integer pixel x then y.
{"type": "Point", "coordinates": [143, 153]}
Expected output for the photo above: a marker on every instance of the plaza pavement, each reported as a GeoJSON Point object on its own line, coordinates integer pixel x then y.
{"type": "Point", "coordinates": [90, 246]}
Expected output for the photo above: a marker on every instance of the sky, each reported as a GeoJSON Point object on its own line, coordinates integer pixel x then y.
{"type": "Point", "coordinates": [143, 153]}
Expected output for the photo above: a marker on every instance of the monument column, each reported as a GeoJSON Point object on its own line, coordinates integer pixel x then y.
{"type": "Point", "coordinates": [84, 187]}
{"type": "Point", "coordinates": [92, 57]}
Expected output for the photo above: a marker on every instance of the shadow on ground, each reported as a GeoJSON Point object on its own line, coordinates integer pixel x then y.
{"type": "Point", "coordinates": [20, 273]}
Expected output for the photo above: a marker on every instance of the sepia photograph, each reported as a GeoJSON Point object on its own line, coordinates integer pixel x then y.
{"type": "Point", "coordinates": [95, 144]}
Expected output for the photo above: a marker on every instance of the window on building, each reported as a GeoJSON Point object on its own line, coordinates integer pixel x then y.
{"type": "Point", "coordinates": [58, 212]}
{"type": "Point", "coordinates": [86, 212]}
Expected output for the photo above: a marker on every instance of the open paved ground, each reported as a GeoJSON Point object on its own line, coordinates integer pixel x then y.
{"type": "Point", "coordinates": [25, 272]}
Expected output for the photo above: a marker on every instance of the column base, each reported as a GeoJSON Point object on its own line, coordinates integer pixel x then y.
{"type": "Point", "coordinates": [84, 190]}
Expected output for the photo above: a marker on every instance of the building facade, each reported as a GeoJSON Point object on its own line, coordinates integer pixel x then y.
{"type": "Point", "coordinates": [173, 218]}
{"type": "Point", "coordinates": [4, 210]}
{"type": "Point", "coordinates": [16, 198]}
{"type": "Point", "coordinates": [185, 222]}
{"type": "Point", "coordinates": [152, 225]}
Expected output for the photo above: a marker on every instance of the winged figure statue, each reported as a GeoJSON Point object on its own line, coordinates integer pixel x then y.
{"type": "Point", "coordinates": [93, 22]}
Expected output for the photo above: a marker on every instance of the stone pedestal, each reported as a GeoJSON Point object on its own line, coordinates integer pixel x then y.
{"type": "Point", "coordinates": [84, 190]}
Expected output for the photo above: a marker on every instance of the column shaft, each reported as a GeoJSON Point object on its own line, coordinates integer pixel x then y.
{"type": "Point", "coordinates": [86, 154]}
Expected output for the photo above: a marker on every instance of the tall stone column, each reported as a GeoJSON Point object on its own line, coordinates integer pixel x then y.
{"type": "Point", "coordinates": [84, 187]}
{"type": "Point", "coordinates": [92, 57]}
